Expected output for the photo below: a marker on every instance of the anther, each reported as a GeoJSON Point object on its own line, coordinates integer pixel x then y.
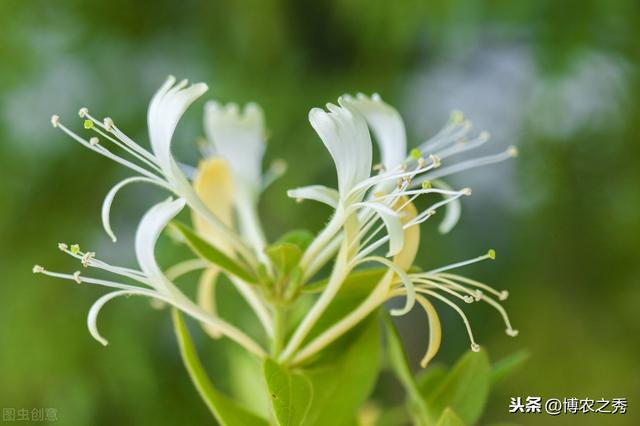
{"type": "Point", "coordinates": [37, 269]}
{"type": "Point", "coordinates": [55, 120]}
{"type": "Point", "coordinates": [435, 160]}
{"type": "Point", "coordinates": [108, 123]}
{"type": "Point", "coordinates": [86, 258]}
{"type": "Point", "coordinates": [83, 112]}
{"type": "Point", "coordinates": [76, 277]}
{"type": "Point", "coordinates": [379, 168]}
{"type": "Point", "coordinates": [63, 246]}
{"type": "Point", "coordinates": [512, 151]}
{"type": "Point", "coordinates": [475, 347]}
{"type": "Point", "coordinates": [503, 295]}
{"type": "Point", "coordinates": [484, 136]}
{"type": "Point", "coordinates": [491, 254]}
{"type": "Point", "coordinates": [457, 116]}
{"type": "Point", "coordinates": [478, 295]}
{"type": "Point", "coordinates": [75, 248]}
{"type": "Point", "coordinates": [94, 141]}
{"type": "Point", "coordinates": [511, 332]}
{"type": "Point", "coordinates": [468, 299]}
{"type": "Point", "coordinates": [421, 163]}
{"type": "Point", "coordinates": [466, 191]}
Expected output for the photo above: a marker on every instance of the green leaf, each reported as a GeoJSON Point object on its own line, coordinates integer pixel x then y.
{"type": "Point", "coordinates": [507, 365]}
{"type": "Point", "coordinates": [400, 365]}
{"type": "Point", "coordinates": [290, 393]}
{"type": "Point", "coordinates": [450, 418]}
{"type": "Point", "coordinates": [430, 378]}
{"type": "Point", "coordinates": [299, 237]}
{"type": "Point", "coordinates": [284, 256]}
{"type": "Point", "coordinates": [208, 252]}
{"type": "Point", "coordinates": [226, 411]}
{"type": "Point", "coordinates": [465, 388]}
{"type": "Point", "coordinates": [343, 379]}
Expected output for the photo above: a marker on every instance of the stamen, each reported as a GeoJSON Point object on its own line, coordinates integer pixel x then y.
{"type": "Point", "coordinates": [502, 295]}
{"type": "Point", "coordinates": [87, 257]}
{"type": "Point", "coordinates": [471, 164]}
{"type": "Point", "coordinates": [474, 346]}
{"type": "Point", "coordinates": [460, 264]}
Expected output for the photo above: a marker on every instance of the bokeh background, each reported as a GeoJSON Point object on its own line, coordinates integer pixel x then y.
{"type": "Point", "coordinates": [560, 80]}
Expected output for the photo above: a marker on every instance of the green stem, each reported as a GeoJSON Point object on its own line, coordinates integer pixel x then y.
{"type": "Point", "coordinates": [279, 331]}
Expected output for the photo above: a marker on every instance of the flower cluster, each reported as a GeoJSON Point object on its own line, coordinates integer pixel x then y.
{"type": "Point", "coordinates": [374, 217]}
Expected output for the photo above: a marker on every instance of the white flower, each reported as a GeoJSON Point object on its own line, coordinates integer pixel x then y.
{"type": "Point", "coordinates": [158, 165]}
{"type": "Point", "coordinates": [151, 281]}
{"type": "Point", "coordinates": [239, 139]}
{"type": "Point", "coordinates": [363, 200]}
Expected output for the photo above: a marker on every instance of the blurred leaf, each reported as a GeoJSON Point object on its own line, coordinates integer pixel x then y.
{"type": "Point", "coordinates": [225, 410]}
{"type": "Point", "coordinates": [343, 380]}
{"type": "Point", "coordinates": [465, 388]}
{"type": "Point", "coordinates": [400, 365]}
{"type": "Point", "coordinates": [299, 237]}
{"type": "Point", "coordinates": [507, 365]}
{"type": "Point", "coordinates": [430, 378]}
{"type": "Point", "coordinates": [290, 393]}
{"type": "Point", "coordinates": [450, 418]}
{"type": "Point", "coordinates": [208, 252]}
{"type": "Point", "coordinates": [285, 256]}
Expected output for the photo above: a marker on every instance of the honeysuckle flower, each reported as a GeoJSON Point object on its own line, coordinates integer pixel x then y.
{"type": "Point", "coordinates": [239, 137]}
{"type": "Point", "coordinates": [158, 165]}
{"type": "Point", "coordinates": [149, 280]}
{"type": "Point", "coordinates": [374, 218]}
{"type": "Point", "coordinates": [387, 196]}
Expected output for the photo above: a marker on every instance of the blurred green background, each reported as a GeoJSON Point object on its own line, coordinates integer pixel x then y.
{"type": "Point", "coordinates": [558, 79]}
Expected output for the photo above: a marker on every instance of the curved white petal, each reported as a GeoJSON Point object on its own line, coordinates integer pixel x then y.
{"type": "Point", "coordinates": [387, 126]}
{"type": "Point", "coordinates": [92, 317]}
{"type": "Point", "coordinates": [319, 193]}
{"type": "Point", "coordinates": [453, 209]}
{"type": "Point", "coordinates": [165, 110]}
{"type": "Point", "coordinates": [393, 224]}
{"type": "Point", "coordinates": [151, 225]}
{"type": "Point", "coordinates": [108, 201]}
{"type": "Point", "coordinates": [345, 135]}
{"type": "Point", "coordinates": [239, 138]}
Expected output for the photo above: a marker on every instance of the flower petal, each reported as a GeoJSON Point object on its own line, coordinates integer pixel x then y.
{"type": "Point", "coordinates": [392, 223]}
{"type": "Point", "coordinates": [344, 133]}
{"type": "Point", "coordinates": [108, 201]}
{"type": "Point", "coordinates": [319, 193]}
{"type": "Point", "coordinates": [214, 186]}
{"type": "Point", "coordinates": [407, 255]}
{"type": "Point", "coordinates": [165, 110]}
{"type": "Point", "coordinates": [453, 209]}
{"type": "Point", "coordinates": [387, 126]}
{"type": "Point", "coordinates": [238, 138]}
{"type": "Point", "coordinates": [151, 225]}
